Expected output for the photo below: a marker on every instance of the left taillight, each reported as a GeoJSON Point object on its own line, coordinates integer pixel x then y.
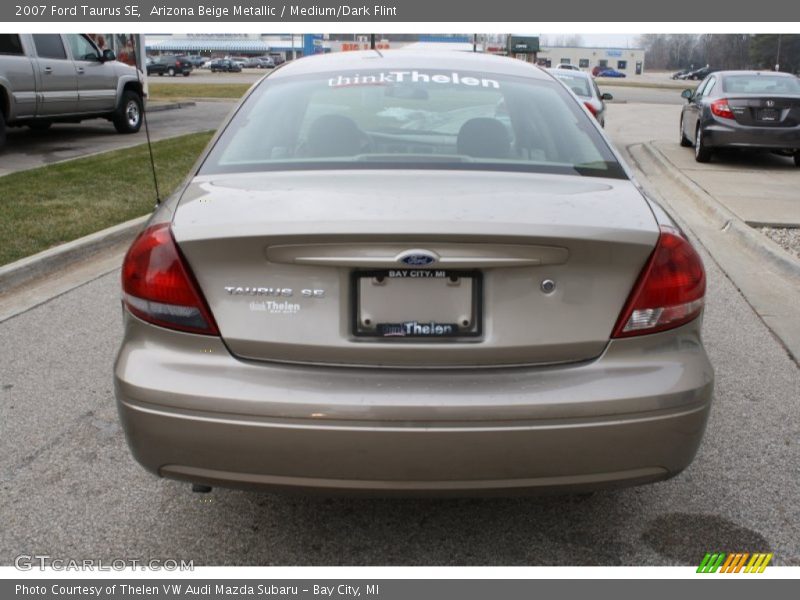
{"type": "Point", "coordinates": [158, 286]}
{"type": "Point", "coordinates": [722, 109]}
{"type": "Point", "coordinates": [591, 108]}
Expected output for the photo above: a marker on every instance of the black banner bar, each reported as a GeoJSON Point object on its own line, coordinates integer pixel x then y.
{"type": "Point", "coordinates": [475, 11]}
{"type": "Point", "coordinates": [729, 587]}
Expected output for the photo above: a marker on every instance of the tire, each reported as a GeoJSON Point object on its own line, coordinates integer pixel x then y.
{"type": "Point", "coordinates": [685, 142]}
{"type": "Point", "coordinates": [40, 125]}
{"type": "Point", "coordinates": [128, 117]}
{"type": "Point", "coordinates": [796, 154]}
{"type": "Point", "coordinates": [186, 73]}
{"type": "Point", "coordinates": [702, 153]}
{"type": "Point", "coordinates": [171, 72]}
{"type": "Point", "coordinates": [161, 73]}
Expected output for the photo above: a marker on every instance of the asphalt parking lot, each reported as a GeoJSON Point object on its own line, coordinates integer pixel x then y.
{"type": "Point", "coordinates": [26, 148]}
{"type": "Point", "coordinates": [71, 489]}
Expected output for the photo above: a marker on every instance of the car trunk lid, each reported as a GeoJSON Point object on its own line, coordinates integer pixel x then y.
{"type": "Point", "coordinates": [279, 256]}
{"type": "Point", "coordinates": [766, 111]}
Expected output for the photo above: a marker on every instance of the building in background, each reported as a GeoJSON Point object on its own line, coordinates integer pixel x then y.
{"type": "Point", "coordinates": [213, 45]}
{"type": "Point", "coordinates": [627, 60]}
{"type": "Point", "coordinates": [520, 46]}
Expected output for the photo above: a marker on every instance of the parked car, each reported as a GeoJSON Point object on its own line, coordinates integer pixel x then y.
{"type": "Point", "coordinates": [610, 73]}
{"type": "Point", "coordinates": [169, 64]}
{"type": "Point", "coordinates": [277, 58]}
{"type": "Point", "coordinates": [47, 78]}
{"type": "Point", "coordinates": [681, 74]}
{"type": "Point", "coordinates": [447, 283]}
{"type": "Point", "coordinates": [195, 61]}
{"type": "Point", "coordinates": [260, 62]}
{"type": "Point", "coordinates": [700, 73]}
{"type": "Point", "coordinates": [567, 67]}
{"type": "Point", "coordinates": [743, 109]}
{"type": "Point", "coordinates": [583, 86]}
{"type": "Point", "coordinates": [224, 65]}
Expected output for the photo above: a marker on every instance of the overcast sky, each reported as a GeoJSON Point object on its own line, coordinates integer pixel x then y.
{"type": "Point", "coordinates": [623, 40]}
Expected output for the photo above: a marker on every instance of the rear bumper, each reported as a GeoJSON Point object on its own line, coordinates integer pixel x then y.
{"type": "Point", "coordinates": [719, 134]}
{"type": "Point", "coordinates": [190, 411]}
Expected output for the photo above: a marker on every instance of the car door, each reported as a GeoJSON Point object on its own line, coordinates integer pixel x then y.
{"type": "Point", "coordinates": [97, 80]}
{"type": "Point", "coordinates": [18, 75]}
{"type": "Point", "coordinates": [702, 101]}
{"type": "Point", "coordinates": [693, 110]}
{"type": "Point", "coordinates": [57, 82]}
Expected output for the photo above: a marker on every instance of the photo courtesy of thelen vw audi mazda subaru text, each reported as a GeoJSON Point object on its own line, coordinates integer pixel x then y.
{"type": "Point", "coordinates": [402, 272]}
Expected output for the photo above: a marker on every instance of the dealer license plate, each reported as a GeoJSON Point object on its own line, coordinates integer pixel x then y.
{"type": "Point", "coordinates": [417, 303]}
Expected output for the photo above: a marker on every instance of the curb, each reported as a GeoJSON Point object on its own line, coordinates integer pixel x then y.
{"type": "Point", "coordinates": [725, 219]}
{"type": "Point", "coordinates": [160, 107]}
{"type": "Point", "coordinates": [58, 258]}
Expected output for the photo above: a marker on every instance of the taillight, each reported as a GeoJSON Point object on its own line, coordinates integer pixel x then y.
{"type": "Point", "coordinates": [721, 109]}
{"type": "Point", "coordinates": [591, 108]}
{"type": "Point", "coordinates": [177, 63]}
{"type": "Point", "coordinates": [670, 289]}
{"type": "Point", "coordinates": [158, 286]}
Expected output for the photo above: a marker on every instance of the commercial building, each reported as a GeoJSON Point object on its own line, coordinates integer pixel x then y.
{"type": "Point", "coordinates": [627, 60]}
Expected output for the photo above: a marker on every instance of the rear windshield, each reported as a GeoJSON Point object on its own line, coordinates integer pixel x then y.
{"type": "Point", "coordinates": [412, 119]}
{"type": "Point", "coordinates": [760, 84]}
{"type": "Point", "coordinates": [577, 83]}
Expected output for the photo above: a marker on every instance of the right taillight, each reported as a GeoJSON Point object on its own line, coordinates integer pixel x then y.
{"type": "Point", "coordinates": [158, 286]}
{"type": "Point", "coordinates": [670, 289]}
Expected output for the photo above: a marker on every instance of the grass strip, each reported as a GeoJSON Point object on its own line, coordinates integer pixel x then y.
{"type": "Point", "coordinates": [47, 206]}
{"type": "Point", "coordinates": [188, 91]}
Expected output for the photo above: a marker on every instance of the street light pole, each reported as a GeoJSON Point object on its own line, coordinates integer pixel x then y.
{"type": "Point", "coordinates": [778, 58]}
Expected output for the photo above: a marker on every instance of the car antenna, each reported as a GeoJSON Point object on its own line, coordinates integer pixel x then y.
{"type": "Point", "coordinates": [137, 55]}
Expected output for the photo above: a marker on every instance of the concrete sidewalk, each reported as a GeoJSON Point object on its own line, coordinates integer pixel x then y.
{"type": "Point", "coordinates": [761, 189]}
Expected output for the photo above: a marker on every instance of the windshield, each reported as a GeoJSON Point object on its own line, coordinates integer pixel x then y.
{"type": "Point", "coordinates": [577, 83]}
{"type": "Point", "coordinates": [412, 119]}
{"type": "Point", "coordinates": [760, 84]}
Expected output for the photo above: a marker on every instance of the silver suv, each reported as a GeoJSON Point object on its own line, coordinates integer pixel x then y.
{"type": "Point", "coordinates": [51, 77]}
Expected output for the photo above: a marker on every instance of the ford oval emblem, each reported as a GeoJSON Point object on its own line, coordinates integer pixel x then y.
{"type": "Point", "coordinates": [417, 258]}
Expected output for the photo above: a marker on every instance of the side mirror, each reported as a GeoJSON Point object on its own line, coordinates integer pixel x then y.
{"type": "Point", "coordinates": [606, 96]}
{"type": "Point", "coordinates": [108, 56]}
{"type": "Point", "coordinates": [687, 94]}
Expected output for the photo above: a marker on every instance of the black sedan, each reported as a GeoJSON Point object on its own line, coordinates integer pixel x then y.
{"type": "Point", "coordinates": [224, 65]}
{"type": "Point", "coordinates": [743, 109]}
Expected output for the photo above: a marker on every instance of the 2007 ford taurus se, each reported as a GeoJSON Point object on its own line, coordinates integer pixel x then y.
{"type": "Point", "coordinates": [408, 273]}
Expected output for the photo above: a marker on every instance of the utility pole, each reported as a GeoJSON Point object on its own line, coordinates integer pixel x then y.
{"type": "Point", "coordinates": [474, 42]}
{"type": "Point", "coordinates": [778, 57]}
{"type": "Point", "coordinates": [372, 41]}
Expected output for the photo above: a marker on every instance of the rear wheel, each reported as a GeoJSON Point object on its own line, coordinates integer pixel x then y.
{"type": "Point", "coordinates": [186, 73]}
{"type": "Point", "coordinates": [685, 142]}
{"type": "Point", "coordinates": [702, 153]}
{"type": "Point", "coordinates": [128, 118]}
{"type": "Point", "coordinates": [796, 156]}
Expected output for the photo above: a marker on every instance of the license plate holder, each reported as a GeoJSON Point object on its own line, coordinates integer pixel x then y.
{"type": "Point", "coordinates": [407, 303]}
{"type": "Point", "coordinates": [768, 114]}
